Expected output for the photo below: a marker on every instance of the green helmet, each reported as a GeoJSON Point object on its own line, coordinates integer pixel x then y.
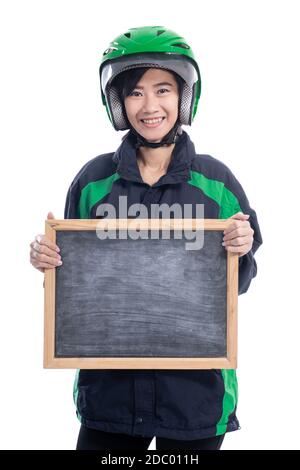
{"type": "Point", "coordinates": [149, 46]}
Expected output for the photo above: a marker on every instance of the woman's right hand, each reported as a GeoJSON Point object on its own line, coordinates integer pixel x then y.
{"type": "Point", "coordinates": [44, 253]}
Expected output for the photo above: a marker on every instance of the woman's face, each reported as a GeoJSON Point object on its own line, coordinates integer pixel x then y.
{"type": "Point", "coordinates": [152, 107]}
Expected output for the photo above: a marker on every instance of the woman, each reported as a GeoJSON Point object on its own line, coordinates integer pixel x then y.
{"type": "Point", "coordinates": [150, 84]}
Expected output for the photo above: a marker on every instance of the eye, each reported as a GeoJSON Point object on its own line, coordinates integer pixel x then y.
{"type": "Point", "coordinates": [135, 93]}
{"type": "Point", "coordinates": [163, 90]}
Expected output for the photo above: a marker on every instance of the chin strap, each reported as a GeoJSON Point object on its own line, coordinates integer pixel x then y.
{"type": "Point", "coordinates": [170, 138]}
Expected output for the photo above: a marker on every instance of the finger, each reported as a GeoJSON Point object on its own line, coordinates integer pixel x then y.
{"type": "Point", "coordinates": [238, 219]}
{"type": "Point", "coordinates": [238, 232]}
{"type": "Point", "coordinates": [240, 216]}
{"type": "Point", "coordinates": [239, 241]}
{"type": "Point", "coordinates": [50, 216]}
{"type": "Point", "coordinates": [238, 249]}
{"type": "Point", "coordinates": [235, 229]}
{"type": "Point", "coordinates": [43, 240]}
{"type": "Point", "coordinates": [44, 249]}
{"type": "Point", "coordinates": [38, 265]}
{"type": "Point", "coordinates": [35, 263]}
{"type": "Point", "coordinates": [46, 266]}
{"type": "Point", "coordinates": [42, 258]}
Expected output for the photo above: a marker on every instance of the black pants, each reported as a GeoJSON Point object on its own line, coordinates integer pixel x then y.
{"type": "Point", "coordinates": [91, 439]}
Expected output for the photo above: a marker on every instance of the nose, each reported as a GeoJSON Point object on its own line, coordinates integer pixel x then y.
{"type": "Point", "coordinates": [150, 104]}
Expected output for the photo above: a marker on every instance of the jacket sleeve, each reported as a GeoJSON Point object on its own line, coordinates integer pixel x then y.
{"type": "Point", "coordinates": [247, 263]}
{"type": "Point", "coordinates": [72, 201]}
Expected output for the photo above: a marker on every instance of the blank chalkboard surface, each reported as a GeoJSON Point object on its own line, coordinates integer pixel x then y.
{"type": "Point", "coordinates": [140, 303]}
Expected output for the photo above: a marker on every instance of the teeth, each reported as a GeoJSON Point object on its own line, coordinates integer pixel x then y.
{"type": "Point", "coordinates": [152, 121]}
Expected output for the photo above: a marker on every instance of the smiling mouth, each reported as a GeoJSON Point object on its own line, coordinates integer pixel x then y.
{"type": "Point", "coordinates": [152, 122]}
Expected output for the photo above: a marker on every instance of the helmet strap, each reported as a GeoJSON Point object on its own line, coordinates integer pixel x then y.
{"type": "Point", "coordinates": [170, 138]}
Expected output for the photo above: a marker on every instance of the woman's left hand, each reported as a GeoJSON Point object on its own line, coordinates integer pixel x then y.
{"type": "Point", "coordinates": [238, 237]}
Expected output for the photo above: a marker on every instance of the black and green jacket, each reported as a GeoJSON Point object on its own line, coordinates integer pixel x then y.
{"type": "Point", "coordinates": [176, 404]}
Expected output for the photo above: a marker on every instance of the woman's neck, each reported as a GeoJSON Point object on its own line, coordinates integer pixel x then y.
{"type": "Point", "coordinates": [155, 159]}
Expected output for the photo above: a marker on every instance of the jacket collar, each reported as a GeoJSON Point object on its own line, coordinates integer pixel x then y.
{"type": "Point", "coordinates": [179, 167]}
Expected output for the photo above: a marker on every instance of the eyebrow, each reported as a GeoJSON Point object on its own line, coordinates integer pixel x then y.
{"type": "Point", "coordinates": [156, 84]}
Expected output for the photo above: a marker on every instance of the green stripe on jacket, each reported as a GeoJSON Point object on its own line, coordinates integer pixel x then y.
{"type": "Point", "coordinates": [93, 192]}
{"type": "Point", "coordinates": [229, 205]}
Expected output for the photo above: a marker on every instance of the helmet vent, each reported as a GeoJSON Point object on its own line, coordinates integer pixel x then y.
{"type": "Point", "coordinates": [128, 35]}
{"type": "Point", "coordinates": [182, 45]}
{"type": "Point", "coordinates": [110, 49]}
{"type": "Point", "coordinates": [160, 31]}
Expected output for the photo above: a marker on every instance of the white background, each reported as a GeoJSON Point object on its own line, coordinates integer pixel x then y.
{"type": "Point", "coordinates": [53, 121]}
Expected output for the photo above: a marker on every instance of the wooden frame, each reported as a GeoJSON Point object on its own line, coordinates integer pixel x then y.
{"type": "Point", "coordinates": [228, 362]}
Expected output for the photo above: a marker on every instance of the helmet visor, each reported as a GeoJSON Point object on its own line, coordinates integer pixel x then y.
{"type": "Point", "coordinates": [183, 66]}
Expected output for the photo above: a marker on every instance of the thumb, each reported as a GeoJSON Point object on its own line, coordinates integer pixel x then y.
{"type": "Point", "coordinates": [50, 216]}
{"type": "Point", "coordinates": [240, 215]}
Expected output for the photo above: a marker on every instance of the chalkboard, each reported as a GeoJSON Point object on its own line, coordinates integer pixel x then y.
{"type": "Point", "coordinates": [147, 302]}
